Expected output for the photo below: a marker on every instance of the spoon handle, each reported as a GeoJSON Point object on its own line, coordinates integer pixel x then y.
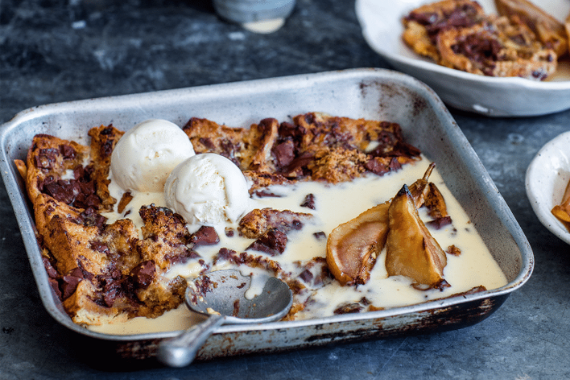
{"type": "Point", "coordinates": [181, 350]}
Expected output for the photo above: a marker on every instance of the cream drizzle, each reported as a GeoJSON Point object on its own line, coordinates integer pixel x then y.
{"type": "Point", "coordinates": [335, 204]}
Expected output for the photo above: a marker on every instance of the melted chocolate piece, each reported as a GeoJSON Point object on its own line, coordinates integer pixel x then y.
{"type": "Point", "coordinates": [480, 49]}
{"type": "Point", "coordinates": [143, 274]}
{"type": "Point", "coordinates": [284, 153]}
{"type": "Point", "coordinates": [55, 287]}
{"type": "Point", "coordinates": [376, 167]}
{"type": "Point", "coordinates": [70, 281]}
{"type": "Point", "coordinates": [440, 222]}
{"type": "Point", "coordinates": [206, 235]}
{"type": "Point", "coordinates": [320, 235]}
{"type": "Point", "coordinates": [100, 247]}
{"type": "Point", "coordinates": [272, 242]}
{"type": "Point", "coordinates": [51, 272]}
{"type": "Point", "coordinates": [349, 308]}
{"type": "Point", "coordinates": [263, 194]}
{"type": "Point", "coordinates": [309, 201]}
{"type": "Point", "coordinates": [46, 158]}
{"type": "Point", "coordinates": [306, 276]}
{"type": "Point", "coordinates": [67, 151]}
{"type": "Point", "coordinates": [395, 164]}
{"type": "Point", "coordinates": [207, 142]}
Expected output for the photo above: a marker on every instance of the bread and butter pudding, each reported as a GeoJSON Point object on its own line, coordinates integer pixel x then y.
{"type": "Point", "coordinates": [288, 199]}
{"type": "Point", "coordinates": [522, 41]}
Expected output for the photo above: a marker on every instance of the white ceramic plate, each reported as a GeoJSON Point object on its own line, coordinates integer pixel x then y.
{"type": "Point", "coordinates": [382, 28]}
{"type": "Point", "coordinates": [546, 179]}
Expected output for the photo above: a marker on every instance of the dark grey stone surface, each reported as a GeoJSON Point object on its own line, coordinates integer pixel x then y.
{"type": "Point", "coordinates": [56, 50]}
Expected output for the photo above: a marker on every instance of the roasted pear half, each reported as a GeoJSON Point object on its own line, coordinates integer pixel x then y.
{"type": "Point", "coordinates": [411, 251]}
{"type": "Point", "coordinates": [353, 246]}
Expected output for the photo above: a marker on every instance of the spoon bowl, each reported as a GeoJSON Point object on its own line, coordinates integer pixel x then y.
{"type": "Point", "coordinates": [221, 296]}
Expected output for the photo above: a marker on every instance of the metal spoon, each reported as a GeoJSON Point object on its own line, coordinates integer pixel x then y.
{"type": "Point", "coordinates": [224, 292]}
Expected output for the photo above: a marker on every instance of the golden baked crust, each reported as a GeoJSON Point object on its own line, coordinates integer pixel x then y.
{"type": "Point", "coordinates": [315, 146]}
{"type": "Point", "coordinates": [457, 34]}
{"type": "Point", "coordinates": [105, 273]}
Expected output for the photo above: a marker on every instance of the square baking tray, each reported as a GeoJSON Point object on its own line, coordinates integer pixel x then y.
{"type": "Point", "coordinates": [358, 93]}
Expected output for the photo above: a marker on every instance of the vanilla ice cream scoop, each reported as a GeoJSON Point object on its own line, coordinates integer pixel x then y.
{"type": "Point", "coordinates": [207, 189]}
{"type": "Point", "coordinates": [145, 155]}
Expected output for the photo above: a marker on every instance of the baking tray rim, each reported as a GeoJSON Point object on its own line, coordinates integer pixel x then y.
{"type": "Point", "coordinates": [27, 228]}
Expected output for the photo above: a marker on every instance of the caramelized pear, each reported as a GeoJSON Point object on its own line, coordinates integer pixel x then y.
{"type": "Point", "coordinates": [435, 203]}
{"type": "Point", "coordinates": [353, 246]}
{"type": "Point", "coordinates": [420, 189]}
{"type": "Point", "coordinates": [411, 250]}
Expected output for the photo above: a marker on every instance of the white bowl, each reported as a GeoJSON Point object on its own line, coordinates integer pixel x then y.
{"type": "Point", "coordinates": [546, 179]}
{"type": "Point", "coordinates": [381, 22]}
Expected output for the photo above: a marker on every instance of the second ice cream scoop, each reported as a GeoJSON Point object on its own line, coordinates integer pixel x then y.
{"type": "Point", "coordinates": [207, 189]}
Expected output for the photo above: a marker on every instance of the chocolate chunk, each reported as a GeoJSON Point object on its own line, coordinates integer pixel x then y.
{"type": "Point", "coordinates": [55, 287]}
{"type": "Point", "coordinates": [440, 222]}
{"type": "Point", "coordinates": [348, 308]}
{"type": "Point", "coordinates": [404, 149]}
{"type": "Point", "coordinates": [52, 273]}
{"type": "Point", "coordinates": [204, 285]}
{"type": "Point", "coordinates": [78, 172]}
{"type": "Point", "coordinates": [309, 201]}
{"type": "Point", "coordinates": [288, 130]}
{"type": "Point", "coordinates": [46, 158]}
{"type": "Point", "coordinates": [296, 225]}
{"type": "Point", "coordinates": [108, 130]}
{"type": "Point", "coordinates": [306, 276]}
{"type": "Point", "coordinates": [70, 282]}
{"type": "Point", "coordinates": [284, 153]}
{"type": "Point", "coordinates": [107, 148]}
{"type": "Point", "coordinates": [272, 242]}
{"type": "Point", "coordinates": [376, 167]}
{"type": "Point", "coordinates": [298, 164]}
{"type": "Point", "coordinates": [365, 301]}
{"type": "Point", "coordinates": [229, 232]}
{"type": "Point", "coordinates": [206, 235]}
{"type": "Point", "coordinates": [395, 164]}
{"type": "Point", "coordinates": [478, 48]}
{"type": "Point", "coordinates": [180, 257]}
{"type": "Point", "coordinates": [90, 218]}
{"type": "Point", "coordinates": [207, 142]}
{"type": "Point", "coordinates": [67, 151]}
{"type": "Point", "coordinates": [320, 235]}
{"type": "Point", "coordinates": [143, 274]}
{"type": "Point", "coordinates": [229, 150]}
{"type": "Point", "coordinates": [100, 247]}
{"type": "Point", "coordinates": [263, 194]}
{"type": "Point", "coordinates": [224, 254]}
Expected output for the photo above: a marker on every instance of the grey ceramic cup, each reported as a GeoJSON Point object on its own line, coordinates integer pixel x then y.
{"type": "Point", "coordinates": [243, 11]}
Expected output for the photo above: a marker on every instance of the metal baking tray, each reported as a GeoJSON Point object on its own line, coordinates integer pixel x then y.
{"type": "Point", "coordinates": [368, 93]}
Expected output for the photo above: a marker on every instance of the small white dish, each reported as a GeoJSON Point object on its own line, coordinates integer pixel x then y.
{"type": "Point", "coordinates": [381, 23]}
{"type": "Point", "coordinates": [546, 179]}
